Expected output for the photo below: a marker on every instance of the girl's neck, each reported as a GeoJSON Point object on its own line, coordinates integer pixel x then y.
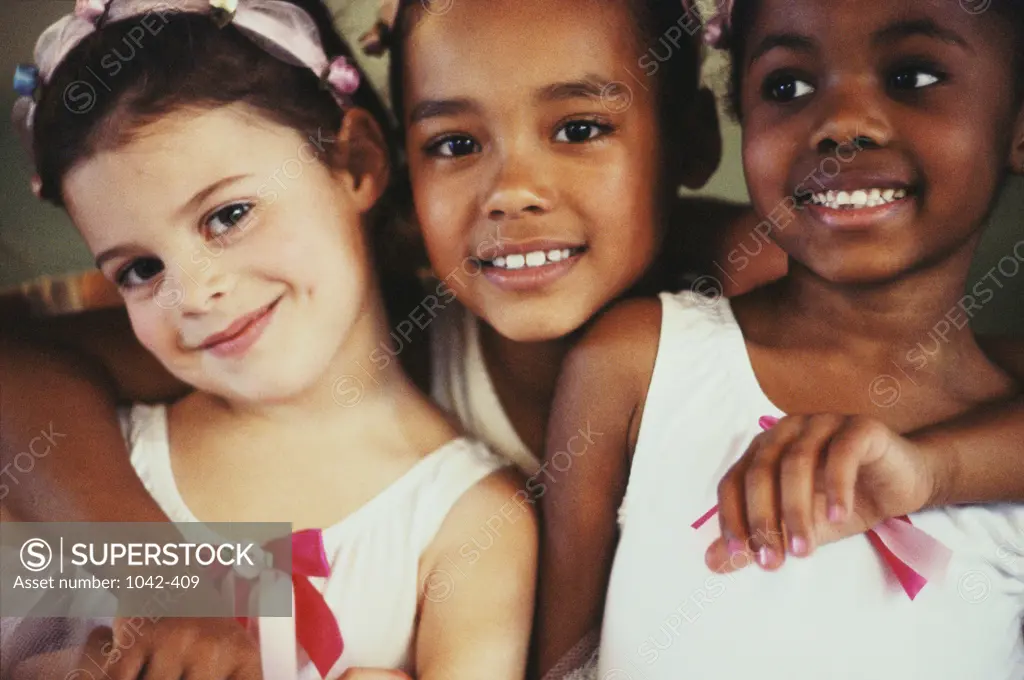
{"type": "Point", "coordinates": [524, 375]}
{"type": "Point", "coordinates": [888, 311]}
{"type": "Point", "coordinates": [881, 322]}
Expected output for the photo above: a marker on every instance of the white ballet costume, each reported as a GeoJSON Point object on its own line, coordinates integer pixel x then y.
{"type": "Point", "coordinates": [373, 588]}
{"type": "Point", "coordinates": [840, 614]}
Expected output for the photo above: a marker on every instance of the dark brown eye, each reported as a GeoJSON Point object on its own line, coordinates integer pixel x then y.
{"type": "Point", "coordinates": [786, 88]}
{"type": "Point", "coordinates": [454, 146]}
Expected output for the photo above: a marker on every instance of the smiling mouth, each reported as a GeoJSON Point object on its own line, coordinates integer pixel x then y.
{"type": "Point", "coordinates": [532, 259]}
{"type": "Point", "coordinates": [226, 338]}
{"type": "Point", "coordinates": [858, 199]}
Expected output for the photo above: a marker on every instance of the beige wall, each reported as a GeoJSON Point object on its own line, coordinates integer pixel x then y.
{"type": "Point", "coordinates": [36, 239]}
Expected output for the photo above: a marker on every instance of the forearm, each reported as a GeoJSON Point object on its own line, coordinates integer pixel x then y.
{"type": "Point", "coordinates": [106, 338]}
{"type": "Point", "coordinates": [62, 455]}
{"type": "Point", "coordinates": [981, 455]}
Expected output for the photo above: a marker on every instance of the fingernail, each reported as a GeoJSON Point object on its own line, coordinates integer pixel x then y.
{"type": "Point", "coordinates": [836, 513]}
{"type": "Point", "coordinates": [798, 545]}
{"type": "Point", "coordinates": [765, 556]}
{"type": "Point", "coordinates": [734, 546]}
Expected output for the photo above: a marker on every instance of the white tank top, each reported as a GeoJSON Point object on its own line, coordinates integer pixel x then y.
{"type": "Point", "coordinates": [461, 385]}
{"type": "Point", "coordinates": [838, 615]}
{"type": "Point", "coordinates": [374, 553]}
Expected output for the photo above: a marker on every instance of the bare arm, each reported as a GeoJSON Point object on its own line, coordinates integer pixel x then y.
{"type": "Point", "coordinates": [984, 448]}
{"type": "Point", "coordinates": [62, 455]}
{"type": "Point", "coordinates": [600, 391]}
{"type": "Point", "coordinates": [478, 603]}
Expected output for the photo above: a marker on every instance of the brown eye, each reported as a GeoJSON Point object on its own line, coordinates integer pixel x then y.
{"type": "Point", "coordinates": [139, 272]}
{"type": "Point", "coordinates": [913, 79]}
{"type": "Point", "coordinates": [454, 146]}
{"type": "Point", "coordinates": [579, 131]}
{"type": "Point", "coordinates": [786, 88]}
{"type": "Point", "coordinates": [226, 219]}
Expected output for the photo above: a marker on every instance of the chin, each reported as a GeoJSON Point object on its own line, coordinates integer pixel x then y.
{"type": "Point", "coordinates": [538, 325]}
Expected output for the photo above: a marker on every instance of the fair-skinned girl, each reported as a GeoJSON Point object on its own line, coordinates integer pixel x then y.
{"type": "Point", "coordinates": [173, 159]}
{"type": "Point", "coordinates": [932, 95]}
{"type": "Point", "coordinates": [504, 148]}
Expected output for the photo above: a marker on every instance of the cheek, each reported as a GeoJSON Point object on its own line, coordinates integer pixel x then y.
{"type": "Point", "coordinates": [152, 327]}
{"type": "Point", "coordinates": [444, 220]}
{"type": "Point", "coordinates": [766, 156]}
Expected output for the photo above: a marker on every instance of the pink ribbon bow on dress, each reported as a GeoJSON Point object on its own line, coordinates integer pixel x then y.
{"type": "Point", "coordinates": [912, 556]}
{"type": "Point", "coordinates": [316, 628]}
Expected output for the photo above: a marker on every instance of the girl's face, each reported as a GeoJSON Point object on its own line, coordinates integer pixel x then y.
{"type": "Point", "coordinates": [891, 123]}
{"type": "Point", "coordinates": [533, 154]}
{"type": "Point", "coordinates": [239, 254]}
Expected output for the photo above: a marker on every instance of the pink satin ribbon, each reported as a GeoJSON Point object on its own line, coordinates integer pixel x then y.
{"type": "Point", "coordinates": [316, 628]}
{"type": "Point", "coordinates": [912, 556]}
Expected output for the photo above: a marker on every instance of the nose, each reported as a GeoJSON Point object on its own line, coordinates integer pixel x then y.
{"type": "Point", "coordinates": [851, 114]}
{"type": "Point", "coordinates": [198, 288]}
{"type": "Point", "coordinates": [521, 187]}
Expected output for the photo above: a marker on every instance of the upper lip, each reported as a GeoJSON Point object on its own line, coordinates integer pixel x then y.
{"type": "Point", "coordinates": [236, 328]}
{"type": "Point", "coordinates": [489, 250]}
{"type": "Point", "coordinates": [852, 180]}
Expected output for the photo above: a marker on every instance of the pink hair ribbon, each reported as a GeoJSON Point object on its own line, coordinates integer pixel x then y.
{"type": "Point", "coordinates": [717, 29]}
{"type": "Point", "coordinates": [911, 555]}
{"type": "Point", "coordinates": [314, 626]}
{"type": "Point", "coordinates": [281, 28]}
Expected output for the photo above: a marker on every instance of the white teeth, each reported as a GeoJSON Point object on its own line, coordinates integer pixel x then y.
{"type": "Point", "coordinates": [515, 261]}
{"type": "Point", "coordinates": [536, 258]}
{"type": "Point", "coordinates": [859, 198]}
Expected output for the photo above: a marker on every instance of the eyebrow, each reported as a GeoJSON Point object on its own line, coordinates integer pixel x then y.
{"type": "Point", "coordinates": [918, 27]}
{"type": "Point", "coordinates": [115, 252]}
{"type": "Point", "coordinates": [203, 194]}
{"type": "Point", "coordinates": [437, 108]}
{"type": "Point", "coordinates": [790, 41]}
{"type": "Point", "coordinates": [588, 87]}
{"type": "Point", "coordinates": [189, 206]}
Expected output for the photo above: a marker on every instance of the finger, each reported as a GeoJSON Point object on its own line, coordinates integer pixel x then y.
{"type": "Point", "coordinates": [209, 664]}
{"type": "Point", "coordinates": [857, 443]}
{"type": "Point", "coordinates": [124, 663]}
{"type": "Point", "coordinates": [732, 507]}
{"type": "Point", "coordinates": [797, 471]}
{"type": "Point", "coordinates": [236, 656]}
{"type": "Point", "coordinates": [164, 664]}
{"type": "Point", "coordinates": [763, 494]}
{"type": "Point", "coordinates": [721, 559]}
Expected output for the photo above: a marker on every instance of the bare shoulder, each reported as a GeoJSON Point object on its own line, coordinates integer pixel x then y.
{"type": "Point", "coordinates": [624, 338]}
{"type": "Point", "coordinates": [496, 505]}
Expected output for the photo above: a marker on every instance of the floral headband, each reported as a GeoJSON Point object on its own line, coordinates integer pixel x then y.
{"type": "Point", "coordinates": [718, 29]}
{"type": "Point", "coordinates": [281, 28]}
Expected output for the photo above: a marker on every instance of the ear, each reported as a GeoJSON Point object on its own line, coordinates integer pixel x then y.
{"type": "Point", "coordinates": [363, 156]}
{"type": "Point", "coordinates": [702, 141]}
{"type": "Point", "coordinates": [1016, 159]}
